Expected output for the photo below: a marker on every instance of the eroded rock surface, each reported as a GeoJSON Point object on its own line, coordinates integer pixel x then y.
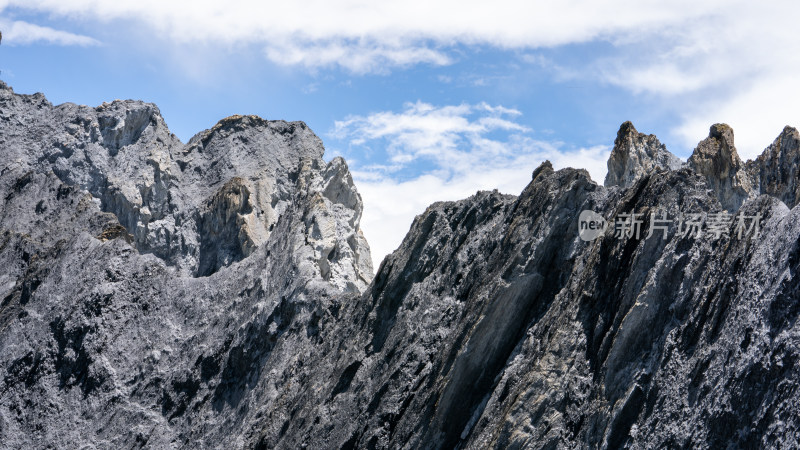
{"type": "Point", "coordinates": [147, 284]}
{"type": "Point", "coordinates": [218, 294]}
{"type": "Point", "coordinates": [636, 154]}
{"type": "Point", "coordinates": [716, 158]}
{"type": "Point", "coordinates": [777, 171]}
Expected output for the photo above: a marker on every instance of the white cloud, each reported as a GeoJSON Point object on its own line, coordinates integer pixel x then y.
{"type": "Point", "coordinates": [24, 33]}
{"type": "Point", "coordinates": [452, 136]}
{"type": "Point", "coordinates": [372, 36]}
{"type": "Point", "coordinates": [390, 205]}
{"type": "Point", "coordinates": [357, 57]}
{"type": "Point", "coordinates": [697, 59]}
{"type": "Point", "coordinates": [557, 71]}
{"type": "Point", "coordinates": [700, 61]}
{"type": "Point", "coordinates": [464, 148]}
{"type": "Point", "coordinates": [735, 66]}
{"type": "Point", "coordinates": [757, 114]}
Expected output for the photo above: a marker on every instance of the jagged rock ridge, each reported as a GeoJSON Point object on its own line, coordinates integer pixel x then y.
{"type": "Point", "coordinates": [636, 154]}
{"type": "Point", "coordinates": [175, 199]}
{"type": "Point", "coordinates": [163, 295]}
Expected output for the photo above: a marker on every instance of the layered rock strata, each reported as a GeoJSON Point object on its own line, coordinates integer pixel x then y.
{"type": "Point", "coordinates": [219, 294]}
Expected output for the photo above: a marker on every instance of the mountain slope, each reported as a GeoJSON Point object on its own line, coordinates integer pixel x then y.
{"type": "Point", "coordinates": [218, 294]}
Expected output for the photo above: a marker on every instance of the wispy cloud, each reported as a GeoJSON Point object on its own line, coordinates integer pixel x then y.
{"type": "Point", "coordinates": [356, 57]}
{"type": "Point", "coordinates": [734, 65]}
{"type": "Point", "coordinates": [451, 137]}
{"type": "Point", "coordinates": [700, 59]}
{"type": "Point", "coordinates": [378, 35]}
{"type": "Point", "coordinates": [463, 148]}
{"type": "Point", "coordinates": [700, 62]}
{"type": "Point", "coordinates": [24, 33]}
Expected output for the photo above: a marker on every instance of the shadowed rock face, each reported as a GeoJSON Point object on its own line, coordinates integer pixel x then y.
{"type": "Point", "coordinates": [777, 170]}
{"type": "Point", "coordinates": [214, 295]}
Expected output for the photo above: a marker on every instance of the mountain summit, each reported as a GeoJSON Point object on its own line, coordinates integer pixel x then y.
{"type": "Point", "coordinates": [219, 294]}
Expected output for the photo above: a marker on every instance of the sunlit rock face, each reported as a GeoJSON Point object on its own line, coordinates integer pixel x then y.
{"type": "Point", "coordinates": [219, 294]}
{"type": "Point", "coordinates": [636, 154]}
{"type": "Point", "coordinates": [200, 206]}
{"type": "Point", "coordinates": [716, 159]}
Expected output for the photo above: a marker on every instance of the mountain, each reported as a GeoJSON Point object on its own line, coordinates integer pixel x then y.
{"type": "Point", "coordinates": [219, 294]}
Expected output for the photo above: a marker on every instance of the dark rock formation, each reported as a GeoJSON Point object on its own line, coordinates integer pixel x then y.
{"type": "Point", "coordinates": [214, 295]}
{"type": "Point", "coordinates": [715, 158]}
{"type": "Point", "coordinates": [636, 154]}
{"type": "Point", "coordinates": [776, 172]}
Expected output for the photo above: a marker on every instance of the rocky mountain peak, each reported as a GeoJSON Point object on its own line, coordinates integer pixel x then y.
{"type": "Point", "coordinates": [198, 206]}
{"type": "Point", "coordinates": [716, 159]}
{"type": "Point", "coordinates": [122, 123]}
{"type": "Point", "coordinates": [775, 172]}
{"type": "Point", "coordinates": [544, 168]}
{"type": "Point", "coordinates": [218, 294]}
{"type": "Point", "coordinates": [636, 154]}
{"type": "Point", "coordinates": [723, 133]}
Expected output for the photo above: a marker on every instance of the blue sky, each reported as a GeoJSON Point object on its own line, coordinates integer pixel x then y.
{"type": "Point", "coordinates": [426, 100]}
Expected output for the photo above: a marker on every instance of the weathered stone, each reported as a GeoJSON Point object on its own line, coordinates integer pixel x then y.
{"type": "Point", "coordinates": [635, 155]}
{"type": "Point", "coordinates": [716, 159]}
{"type": "Point", "coordinates": [775, 172]}
{"type": "Point", "coordinates": [242, 313]}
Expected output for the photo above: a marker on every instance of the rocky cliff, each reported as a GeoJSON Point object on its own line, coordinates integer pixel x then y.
{"type": "Point", "coordinates": [218, 294]}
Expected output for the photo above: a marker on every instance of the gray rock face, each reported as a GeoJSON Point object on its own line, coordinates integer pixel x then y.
{"type": "Point", "coordinates": [175, 200]}
{"type": "Point", "coordinates": [776, 171]}
{"type": "Point", "coordinates": [715, 158]}
{"type": "Point", "coordinates": [636, 154]}
{"type": "Point", "coordinates": [147, 283]}
{"type": "Point", "coordinates": [214, 295]}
